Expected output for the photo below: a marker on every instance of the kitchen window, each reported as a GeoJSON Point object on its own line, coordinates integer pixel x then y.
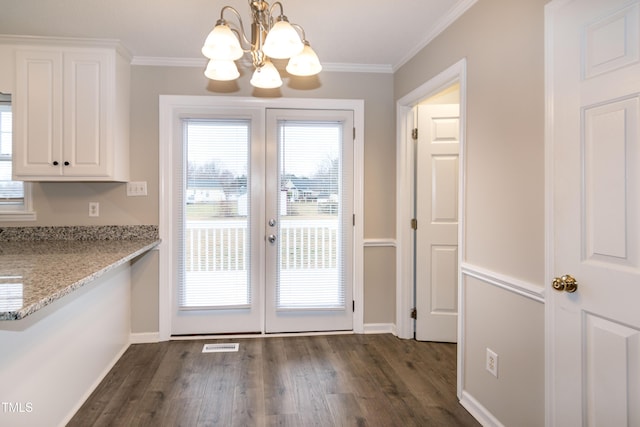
{"type": "Point", "coordinates": [15, 196]}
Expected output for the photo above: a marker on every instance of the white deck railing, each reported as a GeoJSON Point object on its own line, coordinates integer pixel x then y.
{"type": "Point", "coordinates": [222, 245]}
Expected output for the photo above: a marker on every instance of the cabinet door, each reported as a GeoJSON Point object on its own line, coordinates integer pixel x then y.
{"type": "Point", "coordinates": [86, 121]}
{"type": "Point", "coordinates": [38, 114]}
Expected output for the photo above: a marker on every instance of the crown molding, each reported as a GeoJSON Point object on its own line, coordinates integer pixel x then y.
{"type": "Point", "coordinates": [27, 40]}
{"type": "Point", "coordinates": [357, 68]}
{"type": "Point", "coordinates": [154, 61]}
{"type": "Point", "coordinates": [440, 26]}
{"type": "Point", "coordinates": [161, 61]}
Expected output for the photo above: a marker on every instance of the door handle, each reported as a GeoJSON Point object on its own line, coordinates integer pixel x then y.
{"type": "Point", "coordinates": [271, 238]}
{"type": "Point", "coordinates": [565, 283]}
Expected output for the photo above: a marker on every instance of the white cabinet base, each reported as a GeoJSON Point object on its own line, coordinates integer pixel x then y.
{"type": "Point", "coordinates": [51, 361]}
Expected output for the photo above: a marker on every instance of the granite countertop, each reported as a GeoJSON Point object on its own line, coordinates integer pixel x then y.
{"type": "Point", "coordinates": [39, 265]}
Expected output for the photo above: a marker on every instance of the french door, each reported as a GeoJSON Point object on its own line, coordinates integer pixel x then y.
{"type": "Point", "coordinates": [264, 222]}
{"type": "Point", "coordinates": [309, 222]}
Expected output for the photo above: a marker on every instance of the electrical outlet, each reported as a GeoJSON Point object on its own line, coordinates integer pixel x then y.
{"type": "Point", "coordinates": [94, 209]}
{"type": "Point", "coordinates": [492, 362]}
{"type": "Point", "coordinates": [137, 188]}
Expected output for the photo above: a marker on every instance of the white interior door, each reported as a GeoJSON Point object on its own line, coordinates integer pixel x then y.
{"type": "Point", "coordinates": [309, 221]}
{"type": "Point", "coordinates": [437, 189]}
{"type": "Point", "coordinates": [594, 122]}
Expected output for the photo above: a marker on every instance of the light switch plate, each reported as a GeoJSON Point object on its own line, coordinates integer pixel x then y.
{"type": "Point", "coordinates": [137, 188]}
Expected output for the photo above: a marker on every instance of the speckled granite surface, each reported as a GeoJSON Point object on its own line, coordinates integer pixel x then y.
{"type": "Point", "coordinates": [55, 261]}
{"type": "Point", "coordinates": [101, 232]}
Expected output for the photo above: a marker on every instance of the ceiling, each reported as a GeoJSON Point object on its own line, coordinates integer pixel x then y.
{"type": "Point", "coordinates": [363, 33]}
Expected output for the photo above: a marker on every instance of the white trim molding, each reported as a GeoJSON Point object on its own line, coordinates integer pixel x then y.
{"type": "Point", "coordinates": [379, 243]}
{"type": "Point", "coordinates": [479, 412]}
{"type": "Point", "coordinates": [459, 9]}
{"type": "Point", "coordinates": [405, 187]}
{"type": "Point", "coordinates": [159, 61]}
{"type": "Point", "coordinates": [144, 337]}
{"type": "Point", "coordinates": [380, 328]}
{"type": "Point", "coordinates": [511, 284]}
{"type": "Point", "coordinates": [405, 263]}
{"type": "Point", "coordinates": [24, 212]}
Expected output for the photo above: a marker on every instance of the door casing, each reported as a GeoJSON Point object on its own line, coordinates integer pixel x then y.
{"type": "Point", "coordinates": [405, 188]}
{"type": "Point", "coordinates": [172, 108]}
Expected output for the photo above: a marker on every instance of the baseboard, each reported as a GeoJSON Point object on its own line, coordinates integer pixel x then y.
{"type": "Point", "coordinates": [380, 328]}
{"type": "Point", "coordinates": [369, 328]}
{"type": "Point", "coordinates": [144, 337]}
{"type": "Point", "coordinates": [95, 385]}
{"type": "Point", "coordinates": [479, 412]}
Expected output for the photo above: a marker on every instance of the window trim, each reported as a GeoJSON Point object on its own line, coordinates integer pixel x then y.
{"type": "Point", "coordinates": [25, 211]}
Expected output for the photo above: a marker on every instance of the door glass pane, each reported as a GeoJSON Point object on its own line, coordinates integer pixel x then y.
{"type": "Point", "coordinates": [310, 273]}
{"type": "Point", "coordinates": [215, 256]}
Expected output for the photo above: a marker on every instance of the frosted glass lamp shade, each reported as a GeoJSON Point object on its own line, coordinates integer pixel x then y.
{"type": "Point", "coordinates": [222, 70]}
{"type": "Point", "coordinates": [282, 41]}
{"type": "Point", "coordinates": [306, 63]}
{"type": "Point", "coordinates": [221, 44]}
{"type": "Point", "coordinates": [266, 77]}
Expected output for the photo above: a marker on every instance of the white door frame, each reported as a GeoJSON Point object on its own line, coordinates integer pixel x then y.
{"type": "Point", "coordinates": [171, 106]}
{"type": "Point", "coordinates": [404, 197]}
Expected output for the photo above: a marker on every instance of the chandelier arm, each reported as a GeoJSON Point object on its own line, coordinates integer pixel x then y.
{"type": "Point", "coordinates": [241, 34]}
{"type": "Point", "coordinates": [273, 6]}
{"type": "Point", "coordinates": [300, 30]}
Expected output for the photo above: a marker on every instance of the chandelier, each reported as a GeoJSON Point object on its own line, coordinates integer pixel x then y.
{"type": "Point", "coordinates": [271, 38]}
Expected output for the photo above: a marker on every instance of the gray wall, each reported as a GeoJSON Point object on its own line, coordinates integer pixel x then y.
{"type": "Point", "coordinates": [67, 203]}
{"type": "Point", "coordinates": [503, 42]}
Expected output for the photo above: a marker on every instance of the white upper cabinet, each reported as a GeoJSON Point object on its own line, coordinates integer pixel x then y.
{"type": "Point", "coordinates": [71, 113]}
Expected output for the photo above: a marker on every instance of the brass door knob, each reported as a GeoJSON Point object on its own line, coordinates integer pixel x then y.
{"type": "Point", "coordinates": [565, 283]}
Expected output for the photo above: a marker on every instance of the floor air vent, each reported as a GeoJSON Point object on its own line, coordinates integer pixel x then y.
{"type": "Point", "coordinates": [220, 348]}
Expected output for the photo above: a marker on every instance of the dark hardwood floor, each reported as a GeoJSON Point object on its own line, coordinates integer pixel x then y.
{"type": "Point", "coordinates": [335, 380]}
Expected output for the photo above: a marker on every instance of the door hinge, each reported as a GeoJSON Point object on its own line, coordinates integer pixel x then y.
{"type": "Point", "coordinates": [414, 133]}
{"type": "Point", "coordinates": [354, 134]}
{"type": "Point", "coordinates": [414, 313]}
{"type": "Point", "coordinates": [354, 220]}
{"type": "Point", "coordinates": [414, 223]}
{"type": "Point", "coordinates": [353, 305]}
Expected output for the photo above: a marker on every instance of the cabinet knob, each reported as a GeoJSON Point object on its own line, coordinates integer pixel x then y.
{"type": "Point", "coordinates": [55, 163]}
{"type": "Point", "coordinates": [66, 163]}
